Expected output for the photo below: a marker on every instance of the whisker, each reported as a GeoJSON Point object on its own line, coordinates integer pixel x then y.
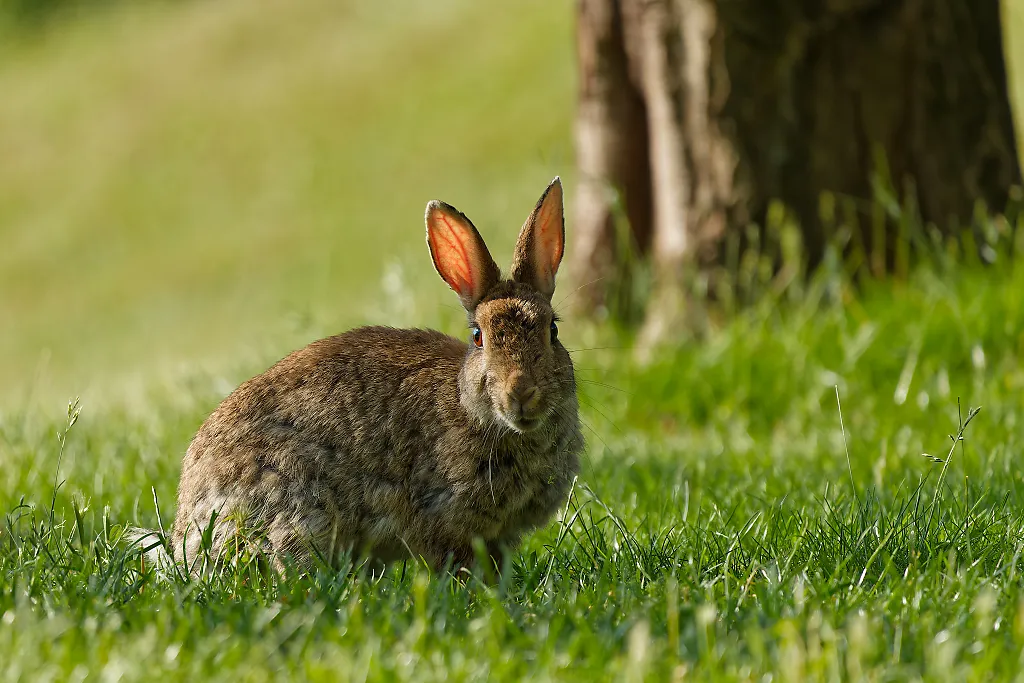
{"type": "Point", "coordinates": [602, 384]}
{"type": "Point", "coordinates": [599, 437]}
{"type": "Point", "coordinates": [490, 475]}
{"type": "Point", "coordinates": [597, 348]}
{"type": "Point", "coordinates": [490, 438]}
{"type": "Point", "coordinates": [588, 426]}
{"type": "Point", "coordinates": [601, 413]}
{"type": "Point", "coordinates": [588, 401]}
{"type": "Point", "coordinates": [558, 381]}
{"type": "Point", "coordinates": [573, 292]}
{"type": "Point", "coordinates": [591, 398]}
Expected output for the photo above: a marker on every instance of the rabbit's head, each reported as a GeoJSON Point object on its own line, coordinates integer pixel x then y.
{"type": "Point", "coordinates": [517, 374]}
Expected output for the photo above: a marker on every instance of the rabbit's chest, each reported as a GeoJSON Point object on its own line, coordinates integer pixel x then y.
{"type": "Point", "coordinates": [502, 488]}
{"type": "Point", "coordinates": [492, 490]}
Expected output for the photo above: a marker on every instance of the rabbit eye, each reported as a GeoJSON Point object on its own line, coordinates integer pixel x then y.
{"type": "Point", "coordinates": [554, 331]}
{"type": "Point", "coordinates": [478, 337]}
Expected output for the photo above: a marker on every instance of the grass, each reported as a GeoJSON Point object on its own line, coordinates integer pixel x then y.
{"type": "Point", "coordinates": [730, 523]}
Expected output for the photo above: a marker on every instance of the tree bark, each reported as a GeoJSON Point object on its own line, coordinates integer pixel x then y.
{"type": "Point", "coordinates": [611, 143]}
{"type": "Point", "coordinates": [707, 110]}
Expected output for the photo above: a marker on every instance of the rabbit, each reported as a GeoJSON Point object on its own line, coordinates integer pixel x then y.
{"type": "Point", "coordinates": [397, 444]}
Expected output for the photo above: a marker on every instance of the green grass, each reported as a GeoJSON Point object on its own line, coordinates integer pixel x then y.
{"type": "Point", "coordinates": [718, 530]}
{"type": "Point", "coordinates": [189, 190]}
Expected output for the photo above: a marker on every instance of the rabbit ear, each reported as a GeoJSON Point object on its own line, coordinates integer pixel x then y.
{"type": "Point", "coordinates": [541, 242]}
{"type": "Point", "coordinates": [459, 253]}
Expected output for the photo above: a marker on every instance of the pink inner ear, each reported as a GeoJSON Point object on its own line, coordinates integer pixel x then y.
{"type": "Point", "coordinates": [452, 255]}
{"type": "Point", "coordinates": [549, 237]}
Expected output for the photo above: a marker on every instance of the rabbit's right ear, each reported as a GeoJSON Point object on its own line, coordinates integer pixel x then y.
{"type": "Point", "coordinates": [459, 254]}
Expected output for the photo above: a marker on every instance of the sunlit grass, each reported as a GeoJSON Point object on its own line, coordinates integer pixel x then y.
{"type": "Point", "coordinates": [729, 521]}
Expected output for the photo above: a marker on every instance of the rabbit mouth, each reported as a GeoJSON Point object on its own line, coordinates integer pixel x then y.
{"type": "Point", "coordinates": [527, 424]}
{"type": "Point", "coordinates": [522, 423]}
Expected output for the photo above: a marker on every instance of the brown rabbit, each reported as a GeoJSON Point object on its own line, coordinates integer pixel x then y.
{"type": "Point", "coordinates": [403, 443]}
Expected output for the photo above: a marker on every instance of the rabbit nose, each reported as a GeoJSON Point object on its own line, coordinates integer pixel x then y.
{"type": "Point", "coordinates": [526, 398]}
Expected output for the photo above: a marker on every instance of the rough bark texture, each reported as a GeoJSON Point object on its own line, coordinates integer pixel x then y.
{"type": "Point", "coordinates": [611, 143]}
{"type": "Point", "coordinates": [700, 112]}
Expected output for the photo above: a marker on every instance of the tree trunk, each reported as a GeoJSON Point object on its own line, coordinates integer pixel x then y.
{"type": "Point", "coordinates": [707, 110]}
{"type": "Point", "coordinates": [611, 143]}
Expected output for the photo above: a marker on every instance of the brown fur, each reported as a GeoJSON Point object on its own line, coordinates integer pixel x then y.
{"type": "Point", "coordinates": [399, 443]}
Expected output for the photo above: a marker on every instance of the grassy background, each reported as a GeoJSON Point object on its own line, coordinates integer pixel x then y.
{"type": "Point", "coordinates": [190, 190]}
{"type": "Point", "coordinates": [184, 183]}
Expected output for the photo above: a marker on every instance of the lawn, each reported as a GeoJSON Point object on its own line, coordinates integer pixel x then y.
{"type": "Point", "coordinates": [729, 521]}
{"type": "Point", "coordinates": [787, 496]}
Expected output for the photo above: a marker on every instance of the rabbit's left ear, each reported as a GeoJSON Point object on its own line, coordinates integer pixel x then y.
{"type": "Point", "coordinates": [541, 242]}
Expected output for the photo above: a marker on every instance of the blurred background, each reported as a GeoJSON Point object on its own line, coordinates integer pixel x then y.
{"type": "Point", "coordinates": [185, 183]}
{"type": "Point", "coordinates": [189, 185]}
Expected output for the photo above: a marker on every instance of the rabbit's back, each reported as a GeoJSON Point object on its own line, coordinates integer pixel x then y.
{"type": "Point", "coordinates": [318, 440]}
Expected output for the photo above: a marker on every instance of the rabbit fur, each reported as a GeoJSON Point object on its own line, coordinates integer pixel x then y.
{"type": "Point", "coordinates": [401, 443]}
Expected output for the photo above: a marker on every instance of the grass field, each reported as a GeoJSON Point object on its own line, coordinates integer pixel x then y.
{"type": "Point", "coordinates": [190, 190]}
